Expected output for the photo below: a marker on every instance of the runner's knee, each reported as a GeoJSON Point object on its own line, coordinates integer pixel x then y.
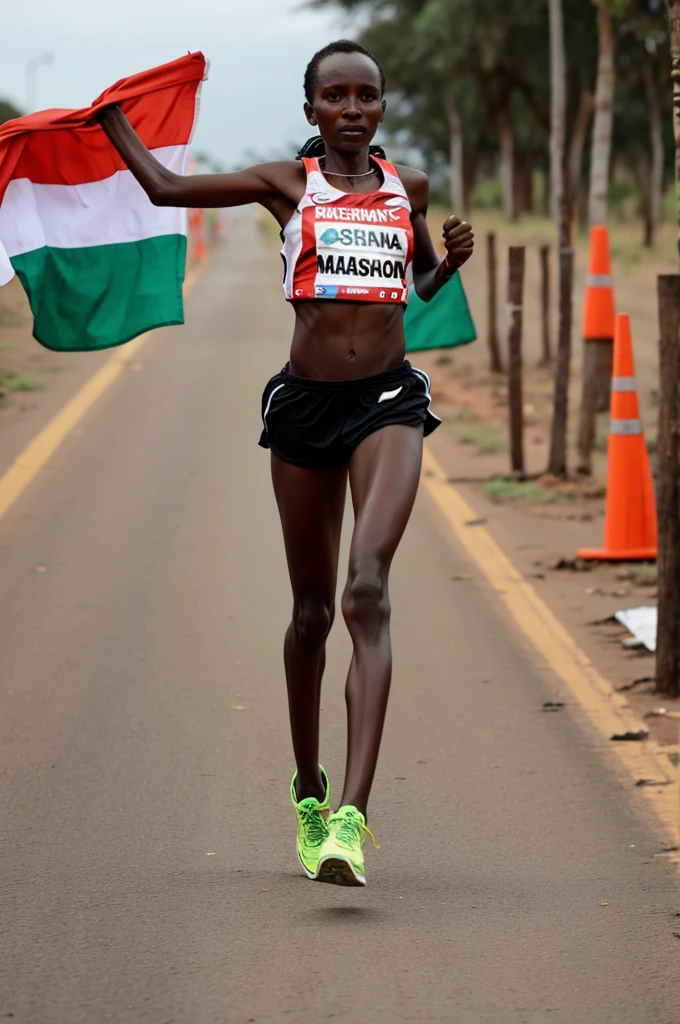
{"type": "Point", "coordinates": [366, 603]}
{"type": "Point", "coordinates": [312, 621]}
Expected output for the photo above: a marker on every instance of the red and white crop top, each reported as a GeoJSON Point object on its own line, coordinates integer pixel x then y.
{"type": "Point", "coordinates": [342, 245]}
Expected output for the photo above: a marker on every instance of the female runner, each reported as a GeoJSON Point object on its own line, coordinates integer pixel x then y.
{"type": "Point", "coordinates": [347, 406]}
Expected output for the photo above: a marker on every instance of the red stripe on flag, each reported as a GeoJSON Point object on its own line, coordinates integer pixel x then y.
{"type": "Point", "coordinates": [66, 147]}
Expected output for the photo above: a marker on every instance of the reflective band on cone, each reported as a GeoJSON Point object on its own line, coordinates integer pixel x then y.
{"type": "Point", "coordinates": [599, 281]}
{"type": "Point", "coordinates": [625, 428]}
{"type": "Point", "coordinates": [624, 384]}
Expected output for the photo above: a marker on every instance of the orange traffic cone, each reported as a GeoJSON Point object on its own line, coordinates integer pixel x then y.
{"type": "Point", "coordinates": [630, 523]}
{"type": "Point", "coordinates": [196, 225]}
{"type": "Point", "coordinates": [598, 311]}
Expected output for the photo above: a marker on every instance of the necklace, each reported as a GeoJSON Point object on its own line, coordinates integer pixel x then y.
{"type": "Point", "coordinates": [341, 174]}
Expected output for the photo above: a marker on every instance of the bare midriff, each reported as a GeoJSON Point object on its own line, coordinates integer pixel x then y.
{"type": "Point", "coordinates": [346, 340]}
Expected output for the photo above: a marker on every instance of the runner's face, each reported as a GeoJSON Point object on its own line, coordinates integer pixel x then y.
{"type": "Point", "coordinates": [348, 106]}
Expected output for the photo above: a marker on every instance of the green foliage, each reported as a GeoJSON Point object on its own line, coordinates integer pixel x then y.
{"type": "Point", "coordinates": [644, 573]}
{"type": "Point", "coordinates": [20, 382]}
{"type": "Point", "coordinates": [8, 111]}
{"type": "Point", "coordinates": [9, 319]}
{"type": "Point", "coordinates": [487, 438]}
{"type": "Point", "coordinates": [492, 61]}
{"type": "Point", "coordinates": [487, 193]}
{"type": "Point", "coordinates": [504, 489]}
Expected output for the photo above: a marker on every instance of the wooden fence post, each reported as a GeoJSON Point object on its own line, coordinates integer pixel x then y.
{"type": "Point", "coordinates": [668, 493]}
{"type": "Point", "coordinates": [557, 464]}
{"type": "Point", "coordinates": [496, 363]}
{"type": "Point", "coordinates": [546, 358]}
{"type": "Point", "coordinates": [598, 356]}
{"type": "Point", "coordinates": [515, 323]}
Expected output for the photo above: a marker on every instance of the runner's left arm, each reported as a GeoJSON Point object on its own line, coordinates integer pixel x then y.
{"type": "Point", "coordinates": [429, 272]}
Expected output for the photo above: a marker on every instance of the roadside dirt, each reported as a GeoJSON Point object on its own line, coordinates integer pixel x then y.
{"type": "Point", "coordinates": [25, 366]}
{"type": "Point", "coordinates": [542, 522]}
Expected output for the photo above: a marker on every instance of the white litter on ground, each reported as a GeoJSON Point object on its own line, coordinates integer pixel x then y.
{"type": "Point", "coordinates": [642, 624]}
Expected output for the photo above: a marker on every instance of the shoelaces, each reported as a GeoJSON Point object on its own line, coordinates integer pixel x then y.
{"type": "Point", "coordinates": [314, 825]}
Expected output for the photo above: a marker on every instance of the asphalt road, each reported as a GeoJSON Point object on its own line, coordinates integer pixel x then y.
{"type": "Point", "coordinates": [148, 871]}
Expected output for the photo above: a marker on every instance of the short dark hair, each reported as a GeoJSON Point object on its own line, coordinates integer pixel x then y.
{"type": "Point", "coordinates": [340, 46]}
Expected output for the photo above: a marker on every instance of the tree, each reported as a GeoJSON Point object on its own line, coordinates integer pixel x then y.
{"type": "Point", "coordinates": [455, 62]}
{"type": "Point", "coordinates": [8, 111]}
{"type": "Point", "coordinates": [597, 354]}
{"type": "Point", "coordinates": [673, 7]}
{"type": "Point", "coordinates": [561, 211]}
{"type": "Point", "coordinates": [604, 114]}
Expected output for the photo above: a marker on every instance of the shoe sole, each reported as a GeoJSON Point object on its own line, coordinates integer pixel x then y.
{"type": "Point", "coordinates": [338, 870]}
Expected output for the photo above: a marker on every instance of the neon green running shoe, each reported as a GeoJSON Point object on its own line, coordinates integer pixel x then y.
{"type": "Point", "coordinates": [341, 861]}
{"type": "Point", "coordinates": [312, 830]}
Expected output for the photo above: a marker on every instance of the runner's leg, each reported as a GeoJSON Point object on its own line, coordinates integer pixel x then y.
{"type": "Point", "coordinates": [384, 473]}
{"type": "Point", "coordinates": [311, 505]}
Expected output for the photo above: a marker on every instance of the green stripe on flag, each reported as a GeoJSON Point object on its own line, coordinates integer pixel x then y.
{"type": "Point", "coordinates": [442, 322]}
{"type": "Point", "coordinates": [100, 296]}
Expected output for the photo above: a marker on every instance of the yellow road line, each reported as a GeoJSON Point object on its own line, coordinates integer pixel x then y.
{"type": "Point", "coordinates": [37, 452]}
{"type": "Point", "coordinates": [606, 709]}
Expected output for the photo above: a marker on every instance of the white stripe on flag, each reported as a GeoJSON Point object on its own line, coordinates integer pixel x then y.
{"type": "Point", "coordinates": [6, 268]}
{"type": "Point", "coordinates": [115, 209]}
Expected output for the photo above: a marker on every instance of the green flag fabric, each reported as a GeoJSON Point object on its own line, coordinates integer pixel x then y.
{"type": "Point", "coordinates": [443, 322]}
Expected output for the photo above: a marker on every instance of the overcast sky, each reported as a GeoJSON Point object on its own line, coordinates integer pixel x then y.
{"type": "Point", "coordinates": [258, 50]}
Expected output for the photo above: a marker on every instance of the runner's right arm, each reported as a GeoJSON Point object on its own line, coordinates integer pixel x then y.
{"type": "Point", "coordinates": [269, 184]}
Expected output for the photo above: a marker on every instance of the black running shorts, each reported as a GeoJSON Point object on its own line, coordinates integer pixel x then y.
{"type": "Point", "coordinates": [319, 423]}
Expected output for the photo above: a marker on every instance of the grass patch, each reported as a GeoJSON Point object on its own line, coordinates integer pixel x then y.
{"type": "Point", "coordinates": [445, 359]}
{"type": "Point", "coordinates": [644, 572]}
{"type": "Point", "coordinates": [466, 415]}
{"type": "Point", "coordinates": [601, 443]}
{"type": "Point", "coordinates": [20, 382]}
{"type": "Point", "coordinates": [8, 319]}
{"type": "Point", "coordinates": [8, 346]}
{"type": "Point", "coordinates": [488, 439]}
{"type": "Point", "coordinates": [503, 488]}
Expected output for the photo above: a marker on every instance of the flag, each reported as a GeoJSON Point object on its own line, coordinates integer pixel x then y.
{"type": "Point", "coordinates": [99, 262]}
{"type": "Point", "coordinates": [442, 322]}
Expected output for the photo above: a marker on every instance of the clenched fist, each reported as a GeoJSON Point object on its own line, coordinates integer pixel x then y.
{"type": "Point", "coordinates": [459, 241]}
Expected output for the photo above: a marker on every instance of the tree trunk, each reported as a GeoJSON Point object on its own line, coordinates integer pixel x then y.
{"type": "Point", "coordinates": [515, 319]}
{"type": "Point", "coordinates": [642, 173]}
{"type": "Point", "coordinates": [604, 116]}
{"type": "Point", "coordinates": [655, 183]}
{"type": "Point", "coordinates": [470, 166]}
{"type": "Point", "coordinates": [495, 360]}
{"type": "Point", "coordinates": [546, 349]}
{"type": "Point", "coordinates": [507, 145]}
{"type": "Point", "coordinates": [558, 107]}
{"type": "Point", "coordinates": [455, 155]}
{"type": "Point", "coordinates": [557, 464]}
{"type": "Point", "coordinates": [673, 7]}
{"type": "Point", "coordinates": [524, 182]}
{"type": "Point", "coordinates": [594, 361]}
{"type": "Point", "coordinates": [578, 143]}
{"type": "Point", "coordinates": [562, 210]}
{"type": "Point", "coordinates": [668, 493]}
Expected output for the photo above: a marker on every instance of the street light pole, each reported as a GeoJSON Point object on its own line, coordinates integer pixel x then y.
{"type": "Point", "coordinates": [40, 60]}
